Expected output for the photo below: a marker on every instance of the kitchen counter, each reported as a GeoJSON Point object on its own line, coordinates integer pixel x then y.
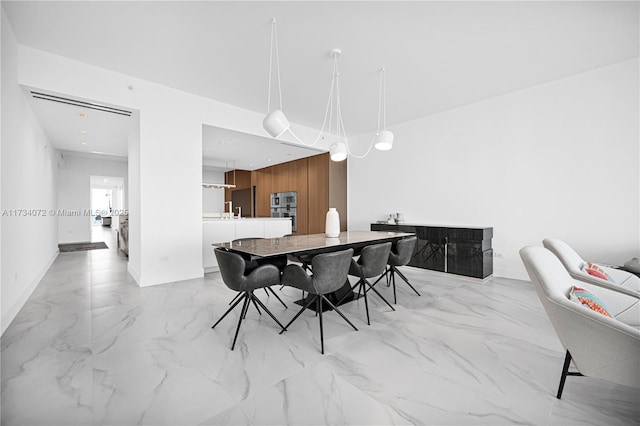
{"type": "Point", "coordinates": [216, 230]}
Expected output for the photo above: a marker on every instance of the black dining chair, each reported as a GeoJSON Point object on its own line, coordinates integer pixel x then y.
{"type": "Point", "coordinates": [400, 257]}
{"type": "Point", "coordinates": [232, 269]}
{"type": "Point", "coordinates": [371, 263]}
{"type": "Point", "coordinates": [329, 274]}
{"type": "Point", "coordinates": [250, 264]}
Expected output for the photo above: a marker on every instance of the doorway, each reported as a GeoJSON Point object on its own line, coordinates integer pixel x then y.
{"type": "Point", "coordinates": [108, 208]}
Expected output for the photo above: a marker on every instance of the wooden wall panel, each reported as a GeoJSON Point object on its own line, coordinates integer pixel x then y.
{"type": "Point", "coordinates": [318, 192]}
{"type": "Point", "coordinates": [299, 177]}
{"type": "Point", "coordinates": [263, 179]}
{"type": "Point", "coordinates": [319, 182]}
{"type": "Point", "coordinates": [338, 190]}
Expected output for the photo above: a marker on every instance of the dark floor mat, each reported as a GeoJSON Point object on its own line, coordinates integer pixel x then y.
{"type": "Point", "coordinates": [82, 246]}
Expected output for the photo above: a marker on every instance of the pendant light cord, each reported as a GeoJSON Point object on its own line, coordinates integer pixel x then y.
{"type": "Point", "coordinates": [382, 113]}
{"type": "Point", "coordinates": [384, 98]}
{"type": "Point", "coordinates": [329, 110]}
{"type": "Point", "coordinates": [274, 40]}
{"type": "Point", "coordinates": [380, 100]}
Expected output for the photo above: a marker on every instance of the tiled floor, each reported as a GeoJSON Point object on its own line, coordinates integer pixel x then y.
{"type": "Point", "coordinates": [90, 347]}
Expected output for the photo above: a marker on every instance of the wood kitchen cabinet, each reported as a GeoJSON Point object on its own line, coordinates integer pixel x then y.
{"type": "Point", "coordinates": [319, 182]}
{"type": "Point", "coordinates": [327, 187]}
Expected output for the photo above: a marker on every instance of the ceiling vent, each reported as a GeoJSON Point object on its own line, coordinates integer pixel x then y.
{"type": "Point", "coordinates": [81, 104]}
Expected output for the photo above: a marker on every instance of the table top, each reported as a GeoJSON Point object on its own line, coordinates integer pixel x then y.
{"type": "Point", "coordinates": [266, 247]}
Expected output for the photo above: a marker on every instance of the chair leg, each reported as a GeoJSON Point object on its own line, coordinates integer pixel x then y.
{"type": "Point", "coordinates": [565, 373]}
{"type": "Point", "coordinates": [376, 292]}
{"type": "Point", "coordinates": [311, 300]}
{"type": "Point", "coordinates": [405, 280]}
{"type": "Point", "coordinates": [254, 304]}
{"type": "Point", "coordinates": [384, 274]}
{"type": "Point", "coordinates": [393, 281]}
{"type": "Point", "coordinates": [255, 299]}
{"type": "Point", "coordinates": [361, 287]}
{"type": "Point", "coordinates": [366, 303]}
{"type": "Point", "coordinates": [237, 300]}
{"type": "Point", "coordinates": [319, 310]}
{"type": "Point", "coordinates": [339, 312]}
{"type": "Point", "coordinates": [274, 293]}
{"type": "Point", "coordinates": [245, 307]}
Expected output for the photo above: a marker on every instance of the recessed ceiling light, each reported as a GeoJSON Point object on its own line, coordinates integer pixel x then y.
{"type": "Point", "coordinates": [83, 114]}
{"type": "Point", "coordinates": [269, 159]}
{"type": "Point", "coordinates": [223, 142]}
{"type": "Point", "coordinates": [84, 143]}
{"type": "Point", "coordinates": [289, 154]}
{"type": "Point", "coordinates": [84, 132]}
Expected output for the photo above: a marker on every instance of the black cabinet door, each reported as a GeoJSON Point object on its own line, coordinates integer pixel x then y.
{"type": "Point", "coordinates": [462, 251]}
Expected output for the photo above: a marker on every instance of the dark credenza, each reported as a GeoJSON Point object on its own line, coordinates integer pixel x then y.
{"type": "Point", "coordinates": [462, 251]}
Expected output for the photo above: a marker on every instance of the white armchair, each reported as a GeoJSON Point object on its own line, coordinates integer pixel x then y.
{"type": "Point", "coordinates": [599, 346]}
{"type": "Point", "coordinates": [623, 303]}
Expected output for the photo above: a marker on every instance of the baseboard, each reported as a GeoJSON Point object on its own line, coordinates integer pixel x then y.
{"type": "Point", "coordinates": [166, 279]}
{"type": "Point", "coordinates": [452, 275]}
{"type": "Point", "coordinates": [134, 273]}
{"type": "Point", "coordinates": [8, 317]}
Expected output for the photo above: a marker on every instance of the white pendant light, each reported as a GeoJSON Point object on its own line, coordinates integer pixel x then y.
{"type": "Point", "coordinates": [276, 123]}
{"type": "Point", "coordinates": [384, 138]}
{"type": "Point", "coordinates": [338, 151]}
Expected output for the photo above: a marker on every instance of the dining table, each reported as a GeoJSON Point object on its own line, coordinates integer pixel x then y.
{"type": "Point", "coordinates": [302, 248]}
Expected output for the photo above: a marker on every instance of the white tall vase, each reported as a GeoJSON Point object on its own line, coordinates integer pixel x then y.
{"type": "Point", "coordinates": [332, 225]}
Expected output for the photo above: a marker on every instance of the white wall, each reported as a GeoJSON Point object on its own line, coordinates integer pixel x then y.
{"type": "Point", "coordinates": [165, 157]}
{"type": "Point", "coordinates": [556, 160]}
{"type": "Point", "coordinates": [212, 199]}
{"type": "Point", "coordinates": [29, 181]}
{"type": "Point", "coordinates": [74, 192]}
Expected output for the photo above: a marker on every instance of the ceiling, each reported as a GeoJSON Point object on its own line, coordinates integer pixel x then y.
{"type": "Point", "coordinates": [235, 150]}
{"type": "Point", "coordinates": [84, 127]}
{"type": "Point", "coordinates": [437, 55]}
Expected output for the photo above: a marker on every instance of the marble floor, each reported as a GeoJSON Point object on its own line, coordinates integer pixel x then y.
{"type": "Point", "coordinates": [90, 347]}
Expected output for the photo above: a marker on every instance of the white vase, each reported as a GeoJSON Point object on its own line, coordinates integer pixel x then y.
{"type": "Point", "coordinates": [332, 225]}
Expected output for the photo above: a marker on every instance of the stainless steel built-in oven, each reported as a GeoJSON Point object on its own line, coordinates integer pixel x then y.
{"type": "Point", "coordinates": [275, 200]}
{"type": "Point", "coordinates": [285, 204]}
